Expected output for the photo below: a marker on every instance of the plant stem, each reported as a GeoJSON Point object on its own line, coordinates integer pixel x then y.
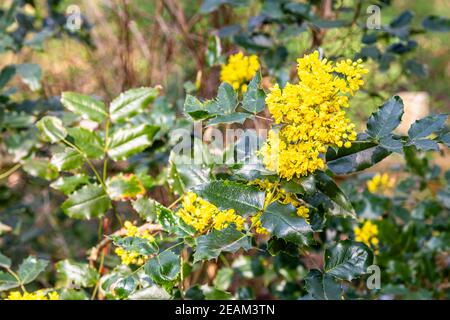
{"type": "Point", "coordinates": [10, 171]}
{"type": "Point", "coordinates": [16, 276]}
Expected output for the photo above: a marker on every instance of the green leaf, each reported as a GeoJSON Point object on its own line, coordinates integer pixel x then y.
{"type": "Point", "coordinates": [223, 278]}
{"type": "Point", "coordinates": [323, 286]}
{"type": "Point", "coordinates": [136, 244]}
{"type": "Point", "coordinates": [30, 74]}
{"type": "Point", "coordinates": [7, 281]}
{"type": "Point", "coordinates": [210, 246]}
{"type": "Point", "coordinates": [67, 160]}
{"type": "Point", "coordinates": [124, 187]}
{"type": "Point", "coordinates": [52, 128]}
{"type": "Point", "coordinates": [30, 269]}
{"type": "Point", "coordinates": [235, 117]}
{"type": "Point", "coordinates": [253, 100]}
{"type": "Point", "coordinates": [164, 268]}
{"type": "Point", "coordinates": [391, 144]}
{"type": "Point", "coordinates": [5, 262]}
{"type": "Point", "coordinates": [361, 155]}
{"type": "Point", "coordinates": [127, 142]}
{"type": "Point", "coordinates": [150, 293]}
{"type": "Point", "coordinates": [88, 142]}
{"type": "Point", "coordinates": [147, 208]}
{"type": "Point", "coordinates": [41, 168]}
{"type": "Point", "coordinates": [445, 138]}
{"type": "Point", "coordinates": [386, 119]}
{"type": "Point", "coordinates": [232, 195]}
{"type": "Point", "coordinates": [6, 75]}
{"type": "Point", "coordinates": [226, 100]}
{"type": "Point", "coordinates": [424, 127]}
{"type": "Point", "coordinates": [70, 273]}
{"type": "Point", "coordinates": [194, 108]}
{"type": "Point", "coordinates": [215, 294]}
{"type": "Point", "coordinates": [84, 106]}
{"type": "Point", "coordinates": [436, 23]}
{"type": "Point", "coordinates": [87, 202]}
{"type": "Point", "coordinates": [131, 102]}
{"type": "Point", "coordinates": [282, 221]}
{"type": "Point", "coordinates": [347, 260]}
{"type": "Point", "coordinates": [67, 185]}
{"type": "Point", "coordinates": [425, 144]}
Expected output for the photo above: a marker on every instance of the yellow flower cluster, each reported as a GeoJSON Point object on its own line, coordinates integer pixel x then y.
{"type": "Point", "coordinates": [274, 192]}
{"type": "Point", "coordinates": [367, 234]}
{"type": "Point", "coordinates": [37, 295]}
{"type": "Point", "coordinates": [202, 215]}
{"type": "Point", "coordinates": [132, 257]}
{"type": "Point", "coordinates": [239, 70]}
{"type": "Point", "coordinates": [380, 183]}
{"type": "Point", "coordinates": [311, 114]}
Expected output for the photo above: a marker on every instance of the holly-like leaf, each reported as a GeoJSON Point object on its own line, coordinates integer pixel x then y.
{"type": "Point", "coordinates": [132, 102]}
{"type": "Point", "coordinates": [282, 221]}
{"type": "Point", "coordinates": [84, 106]}
{"type": "Point", "coordinates": [150, 293]}
{"type": "Point", "coordinates": [52, 129]}
{"type": "Point", "coordinates": [91, 201]}
{"type": "Point", "coordinates": [31, 75]}
{"type": "Point", "coordinates": [226, 101]}
{"type": "Point", "coordinates": [129, 141]}
{"type": "Point", "coordinates": [67, 160]}
{"type": "Point", "coordinates": [253, 100]}
{"type": "Point", "coordinates": [147, 208]}
{"type": "Point", "coordinates": [424, 127]}
{"type": "Point", "coordinates": [235, 117]}
{"type": "Point", "coordinates": [164, 268]}
{"type": "Point", "coordinates": [125, 187]}
{"type": "Point", "coordinates": [436, 23]}
{"type": "Point", "coordinates": [386, 119]}
{"type": "Point", "coordinates": [136, 244]}
{"type": "Point", "coordinates": [7, 281]}
{"type": "Point", "coordinates": [323, 286]}
{"type": "Point", "coordinates": [210, 246]}
{"type": "Point", "coordinates": [30, 269]}
{"type": "Point", "coordinates": [232, 195]}
{"type": "Point", "coordinates": [70, 273]}
{"type": "Point", "coordinates": [5, 262]}
{"type": "Point", "coordinates": [67, 185]}
{"type": "Point", "coordinates": [347, 260]}
{"type": "Point", "coordinates": [41, 168]}
{"type": "Point", "coordinates": [361, 155]}
{"type": "Point", "coordinates": [87, 141]}
{"type": "Point", "coordinates": [194, 108]}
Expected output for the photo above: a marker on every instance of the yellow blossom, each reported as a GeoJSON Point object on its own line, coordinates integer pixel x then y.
{"type": "Point", "coordinates": [380, 183]}
{"type": "Point", "coordinates": [256, 222]}
{"type": "Point", "coordinates": [37, 295]}
{"type": "Point", "coordinates": [311, 114]}
{"type": "Point", "coordinates": [239, 70]}
{"type": "Point", "coordinates": [367, 234]}
{"type": "Point", "coordinates": [202, 215]}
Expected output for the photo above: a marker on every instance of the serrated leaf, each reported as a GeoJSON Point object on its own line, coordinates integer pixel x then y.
{"type": "Point", "coordinates": [232, 195]}
{"type": "Point", "coordinates": [91, 201]}
{"type": "Point", "coordinates": [194, 108]}
{"type": "Point", "coordinates": [136, 244]}
{"type": "Point", "coordinates": [52, 128]}
{"type": "Point", "coordinates": [147, 208]}
{"type": "Point", "coordinates": [150, 293]}
{"type": "Point", "coordinates": [7, 281]}
{"type": "Point", "coordinates": [347, 260]}
{"type": "Point", "coordinates": [253, 100]}
{"type": "Point", "coordinates": [210, 246]}
{"type": "Point", "coordinates": [67, 160]}
{"type": "Point", "coordinates": [67, 185]}
{"type": "Point", "coordinates": [323, 286]}
{"type": "Point", "coordinates": [88, 142]}
{"type": "Point", "coordinates": [125, 187]}
{"type": "Point", "coordinates": [361, 155]}
{"type": "Point", "coordinates": [223, 278]}
{"type": "Point", "coordinates": [127, 142]}
{"type": "Point", "coordinates": [282, 221]}
{"type": "Point", "coordinates": [41, 168]}
{"type": "Point", "coordinates": [84, 106]}
{"type": "Point", "coordinates": [131, 102]}
{"type": "Point", "coordinates": [426, 126]}
{"type": "Point", "coordinates": [436, 23]}
{"type": "Point", "coordinates": [425, 144]}
{"type": "Point", "coordinates": [386, 119]}
{"type": "Point", "coordinates": [164, 268]}
{"type": "Point", "coordinates": [70, 273]}
{"type": "Point", "coordinates": [391, 144]}
{"type": "Point", "coordinates": [226, 101]}
{"type": "Point", "coordinates": [30, 269]}
{"type": "Point", "coordinates": [445, 138]}
{"type": "Point", "coordinates": [5, 262]}
{"type": "Point", "coordinates": [235, 117]}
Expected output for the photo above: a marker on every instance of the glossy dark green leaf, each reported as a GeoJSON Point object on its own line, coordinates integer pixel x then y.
{"type": "Point", "coordinates": [41, 168]}
{"type": "Point", "coordinates": [67, 185]}
{"type": "Point", "coordinates": [164, 268]}
{"type": "Point", "coordinates": [323, 286]}
{"type": "Point", "coordinates": [386, 119]}
{"type": "Point", "coordinates": [436, 23]}
{"type": "Point", "coordinates": [232, 195]}
{"type": "Point", "coordinates": [129, 141]}
{"type": "Point", "coordinates": [31, 268]}
{"type": "Point", "coordinates": [84, 106]}
{"type": "Point", "coordinates": [136, 244]}
{"type": "Point", "coordinates": [52, 129]}
{"type": "Point", "coordinates": [347, 260]}
{"type": "Point", "coordinates": [5, 262]}
{"type": "Point", "coordinates": [235, 117]}
{"type": "Point", "coordinates": [226, 101]}
{"type": "Point", "coordinates": [70, 273]}
{"type": "Point", "coordinates": [7, 281]}
{"type": "Point", "coordinates": [90, 201]}
{"type": "Point", "coordinates": [425, 144]}
{"type": "Point", "coordinates": [194, 108]}
{"type": "Point", "coordinates": [131, 102]}
{"type": "Point", "coordinates": [90, 144]}
{"type": "Point", "coordinates": [253, 100]}
{"type": "Point", "coordinates": [283, 222]}
{"type": "Point", "coordinates": [361, 155]}
{"type": "Point", "coordinates": [6, 74]}
{"type": "Point", "coordinates": [210, 246]}
{"type": "Point", "coordinates": [391, 144]}
{"type": "Point", "coordinates": [424, 127]}
{"type": "Point", "coordinates": [67, 160]}
{"type": "Point", "coordinates": [223, 278]}
{"type": "Point", "coordinates": [147, 208]}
